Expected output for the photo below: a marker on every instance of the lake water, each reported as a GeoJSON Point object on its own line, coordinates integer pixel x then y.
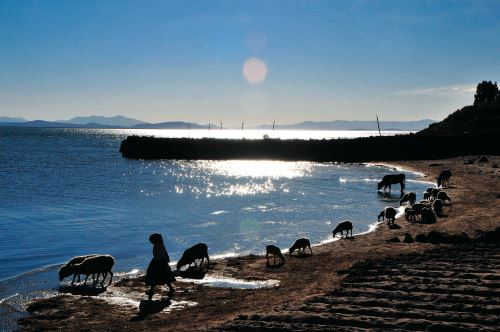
{"type": "Point", "coordinates": [68, 192]}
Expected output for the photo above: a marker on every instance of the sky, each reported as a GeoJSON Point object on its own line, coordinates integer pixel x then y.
{"type": "Point", "coordinates": [252, 61]}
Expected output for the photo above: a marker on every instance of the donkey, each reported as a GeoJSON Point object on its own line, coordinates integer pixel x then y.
{"type": "Point", "coordinates": [343, 226]}
{"type": "Point", "coordinates": [391, 179]}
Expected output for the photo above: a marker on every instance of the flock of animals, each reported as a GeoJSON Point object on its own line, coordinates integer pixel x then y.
{"type": "Point", "coordinates": [424, 211]}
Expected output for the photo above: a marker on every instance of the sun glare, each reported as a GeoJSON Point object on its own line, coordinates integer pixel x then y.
{"type": "Point", "coordinates": [255, 71]}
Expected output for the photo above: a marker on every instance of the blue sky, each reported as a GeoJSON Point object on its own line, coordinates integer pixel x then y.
{"type": "Point", "coordinates": [183, 60]}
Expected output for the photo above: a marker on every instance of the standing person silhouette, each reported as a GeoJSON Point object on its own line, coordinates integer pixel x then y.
{"type": "Point", "coordinates": [159, 272]}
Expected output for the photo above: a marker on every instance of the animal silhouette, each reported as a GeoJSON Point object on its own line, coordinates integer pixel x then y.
{"type": "Point", "coordinates": [391, 179]}
{"type": "Point", "coordinates": [343, 226]}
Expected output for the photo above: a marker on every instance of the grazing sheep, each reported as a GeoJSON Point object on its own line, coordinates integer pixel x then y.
{"type": "Point", "coordinates": [190, 255]}
{"type": "Point", "coordinates": [429, 190]}
{"type": "Point", "coordinates": [275, 251]}
{"type": "Point", "coordinates": [63, 271]}
{"type": "Point", "coordinates": [428, 203]}
{"type": "Point", "coordinates": [444, 178]}
{"type": "Point", "coordinates": [427, 196]}
{"type": "Point", "coordinates": [91, 265]}
{"type": "Point", "coordinates": [417, 209]}
{"type": "Point", "coordinates": [437, 206]}
{"type": "Point", "coordinates": [443, 196]}
{"type": "Point", "coordinates": [410, 198]}
{"type": "Point", "coordinates": [389, 213]}
{"type": "Point", "coordinates": [300, 244]}
{"type": "Point", "coordinates": [409, 214]}
{"type": "Point", "coordinates": [391, 179]}
{"type": "Point", "coordinates": [435, 192]}
{"type": "Point", "coordinates": [343, 226]}
{"type": "Point", "coordinates": [428, 216]}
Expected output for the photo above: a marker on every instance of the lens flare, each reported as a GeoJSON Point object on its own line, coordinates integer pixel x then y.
{"type": "Point", "coordinates": [255, 71]}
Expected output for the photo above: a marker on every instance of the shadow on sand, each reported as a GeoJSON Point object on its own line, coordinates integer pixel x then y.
{"type": "Point", "coordinates": [147, 308]}
{"type": "Point", "coordinates": [191, 273]}
{"type": "Point", "coordinates": [82, 290]}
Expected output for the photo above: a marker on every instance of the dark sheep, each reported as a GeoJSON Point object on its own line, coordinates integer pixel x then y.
{"type": "Point", "coordinates": [410, 198]}
{"type": "Point", "coordinates": [409, 214]}
{"type": "Point", "coordinates": [275, 251]}
{"type": "Point", "coordinates": [391, 179]}
{"type": "Point", "coordinates": [191, 255]}
{"type": "Point", "coordinates": [427, 196]}
{"type": "Point", "coordinates": [437, 205]}
{"type": "Point", "coordinates": [343, 226]}
{"type": "Point", "coordinates": [443, 196]}
{"type": "Point", "coordinates": [91, 265]}
{"type": "Point", "coordinates": [388, 213]}
{"type": "Point", "coordinates": [417, 210]}
{"type": "Point", "coordinates": [435, 192]}
{"type": "Point", "coordinates": [444, 178]}
{"type": "Point", "coordinates": [300, 245]}
{"type": "Point", "coordinates": [428, 216]}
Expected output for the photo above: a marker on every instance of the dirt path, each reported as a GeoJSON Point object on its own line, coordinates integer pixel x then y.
{"type": "Point", "coordinates": [474, 191]}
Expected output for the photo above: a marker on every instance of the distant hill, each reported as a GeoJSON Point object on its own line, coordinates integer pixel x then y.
{"type": "Point", "coordinates": [7, 119]}
{"type": "Point", "coordinates": [114, 121]}
{"type": "Point", "coordinates": [39, 124]}
{"type": "Point", "coordinates": [124, 122]}
{"type": "Point", "coordinates": [357, 125]}
{"type": "Point", "coordinates": [169, 125]}
{"type": "Point", "coordinates": [477, 119]}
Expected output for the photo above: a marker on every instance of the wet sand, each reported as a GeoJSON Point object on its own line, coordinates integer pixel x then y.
{"type": "Point", "coordinates": [348, 284]}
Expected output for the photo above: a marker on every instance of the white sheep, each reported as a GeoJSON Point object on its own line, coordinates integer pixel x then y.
{"type": "Point", "coordinates": [91, 265]}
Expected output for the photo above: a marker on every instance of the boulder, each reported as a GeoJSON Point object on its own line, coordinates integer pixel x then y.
{"type": "Point", "coordinates": [394, 240]}
{"type": "Point", "coordinates": [437, 237]}
{"type": "Point", "coordinates": [421, 238]}
{"type": "Point", "coordinates": [408, 238]}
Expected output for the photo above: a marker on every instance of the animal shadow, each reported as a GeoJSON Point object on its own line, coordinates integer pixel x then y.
{"type": "Point", "coordinates": [274, 266]}
{"type": "Point", "coordinates": [82, 290]}
{"type": "Point", "coordinates": [394, 226]}
{"type": "Point", "coordinates": [301, 255]}
{"type": "Point", "coordinates": [192, 273]}
{"type": "Point", "coordinates": [147, 308]}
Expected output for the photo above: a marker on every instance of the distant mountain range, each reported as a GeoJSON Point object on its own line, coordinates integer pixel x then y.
{"type": "Point", "coordinates": [124, 122]}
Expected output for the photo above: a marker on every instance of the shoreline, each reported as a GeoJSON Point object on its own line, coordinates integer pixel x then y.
{"type": "Point", "coordinates": [290, 291]}
{"type": "Point", "coordinates": [371, 228]}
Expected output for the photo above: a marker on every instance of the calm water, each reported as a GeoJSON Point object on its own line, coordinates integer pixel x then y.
{"type": "Point", "coordinates": [67, 192]}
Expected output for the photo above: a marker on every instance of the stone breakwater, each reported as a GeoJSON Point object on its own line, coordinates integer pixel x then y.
{"type": "Point", "coordinates": [386, 148]}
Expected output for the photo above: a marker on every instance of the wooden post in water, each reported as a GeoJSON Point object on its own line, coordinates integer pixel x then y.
{"type": "Point", "coordinates": [220, 124]}
{"type": "Point", "coordinates": [242, 124]}
{"type": "Point", "coordinates": [378, 125]}
{"type": "Point", "coordinates": [274, 122]}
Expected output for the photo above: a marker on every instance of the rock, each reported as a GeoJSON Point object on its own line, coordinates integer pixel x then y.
{"type": "Point", "coordinates": [488, 236]}
{"type": "Point", "coordinates": [394, 240]}
{"type": "Point", "coordinates": [421, 238]}
{"type": "Point", "coordinates": [494, 165]}
{"type": "Point", "coordinates": [437, 237]}
{"type": "Point", "coordinates": [483, 159]}
{"type": "Point", "coordinates": [434, 164]}
{"type": "Point", "coordinates": [408, 238]}
{"type": "Point", "coordinates": [469, 162]}
{"type": "Point", "coordinates": [461, 238]}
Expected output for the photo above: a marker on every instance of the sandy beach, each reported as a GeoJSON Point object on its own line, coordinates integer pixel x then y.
{"type": "Point", "coordinates": [350, 284]}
